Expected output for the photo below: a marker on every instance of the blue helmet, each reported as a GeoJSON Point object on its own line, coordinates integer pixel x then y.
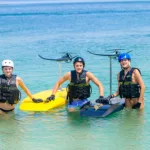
{"type": "Point", "coordinates": [124, 56]}
{"type": "Point", "coordinates": [79, 59]}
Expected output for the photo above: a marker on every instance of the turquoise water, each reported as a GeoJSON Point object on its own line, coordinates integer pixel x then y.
{"type": "Point", "coordinates": [49, 29]}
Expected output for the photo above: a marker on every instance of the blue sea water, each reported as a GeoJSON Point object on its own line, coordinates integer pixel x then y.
{"type": "Point", "coordinates": [49, 29]}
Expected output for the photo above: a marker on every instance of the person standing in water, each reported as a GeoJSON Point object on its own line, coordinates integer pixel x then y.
{"type": "Point", "coordinates": [130, 84]}
{"type": "Point", "coordinates": [9, 93]}
{"type": "Point", "coordinates": [79, 88]}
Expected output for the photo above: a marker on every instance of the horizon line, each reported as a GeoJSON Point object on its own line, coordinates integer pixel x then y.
{"type": "Point", "coordinates": [66, 1]}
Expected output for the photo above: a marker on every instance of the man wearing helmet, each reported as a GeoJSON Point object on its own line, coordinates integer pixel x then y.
{"type": "Point", "coordinates": [130, 83]}
{"type": "Point", "coordinates": [9, 93]}
{"type": "Point", "coordinates": [79, 88]}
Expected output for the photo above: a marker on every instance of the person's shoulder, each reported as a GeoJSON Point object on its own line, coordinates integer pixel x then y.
{"type": "Point", "coordinates": [136, 71]}
{"type": "Point", "coordinates": [18, 78]}
{"type": "Point", "coordinates": [118, 75]}
{"type": "Point", "coordinates": [67, 75]}
{"type": "Point", "coordinates": [89, 74]}
{"type": "Point", "coordinates": [121, 71]}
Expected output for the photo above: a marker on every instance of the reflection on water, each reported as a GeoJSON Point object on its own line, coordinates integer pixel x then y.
{"type": "Point", "coordinates": [59, 129]}
{"type": "Point", "coordinates": [130, 129]}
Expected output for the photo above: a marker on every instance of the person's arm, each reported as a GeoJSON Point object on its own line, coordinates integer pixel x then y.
{"type": "Point", "coordinates": [26, 90]}
{"type": "Point", "coordinates": [60, 81]}
{"type": "Point", "coordinates": [23, 86]}
{"type": "Point", "coordinates": [57, 85]}
{"type": "Point", "coordinates": [141, 83]}
{"type": "Point", "coordinates": [97, 82]}
{"type": "Point", "coordinates": [117, 92]}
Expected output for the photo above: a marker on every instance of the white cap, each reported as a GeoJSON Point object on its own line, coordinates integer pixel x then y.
{"type": "Point", "coordinates": [7, 63]}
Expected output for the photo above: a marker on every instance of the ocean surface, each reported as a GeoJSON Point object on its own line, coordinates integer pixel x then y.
{"type": "Point", "coordinates": [52, 29]}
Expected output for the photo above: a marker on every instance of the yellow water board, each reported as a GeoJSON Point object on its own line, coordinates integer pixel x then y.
{"type": "Point", "coordinates": [60, 99]}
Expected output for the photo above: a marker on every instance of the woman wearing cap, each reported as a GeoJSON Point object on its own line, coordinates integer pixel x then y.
{"type": "Point", "coordinates": [130, 83]}
{"type": "Point", "coordinates": [79, 88]}
{"type": "Point", "coordinates": [9, 93]}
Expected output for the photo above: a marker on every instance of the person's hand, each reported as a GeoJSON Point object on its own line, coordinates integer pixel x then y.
{"type": "Point", "coordinates": [110, 96]}
{"type": "Point", "coordinates": [50, 98]}
{"type": "Point", "coordinates": [102, 100]}
{"type": "Point", "coordinates": [37, 100]}
{"type": "Point", "coordinates": [137, 105]}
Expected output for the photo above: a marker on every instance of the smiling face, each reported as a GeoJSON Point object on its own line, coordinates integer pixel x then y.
{"type": "Point", "coordinates": [125, 63]}
{"type": "Point", "coordinates": [7, 71]}
{"type": "Point", "coordinates": [78, 67]}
